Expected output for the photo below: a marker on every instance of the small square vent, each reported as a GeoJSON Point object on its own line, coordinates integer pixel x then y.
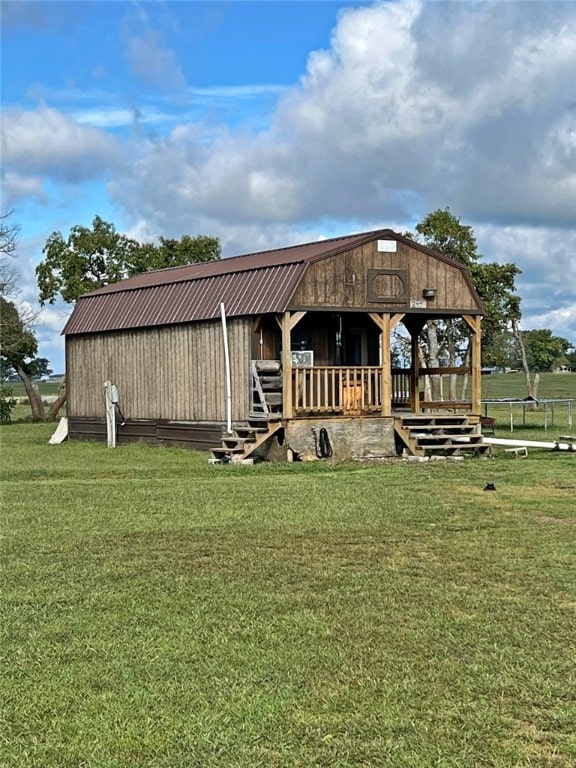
{"type": "Point", "coordinates": [387, 246]}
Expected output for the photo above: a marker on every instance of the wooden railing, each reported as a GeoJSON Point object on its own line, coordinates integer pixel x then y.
{"type": "Point", "coordinates": [450, 388]}
{"type": "Point", "coordinates": [347, 390]}
{"type": "Point", "coordinates": [400, 387]}
{"type": "Point", "coordinates": [337, 389]}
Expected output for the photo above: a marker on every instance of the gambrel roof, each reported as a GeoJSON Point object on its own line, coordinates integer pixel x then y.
{"type": "Point", "coordinates": [251, 284]}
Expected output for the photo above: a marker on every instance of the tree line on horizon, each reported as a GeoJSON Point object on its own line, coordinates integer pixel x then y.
{"type": "Point", "coordinates": [91, 258]}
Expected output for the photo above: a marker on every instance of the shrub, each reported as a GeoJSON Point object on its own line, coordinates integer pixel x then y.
{"type": "Point", "coordinates": [7, 404]}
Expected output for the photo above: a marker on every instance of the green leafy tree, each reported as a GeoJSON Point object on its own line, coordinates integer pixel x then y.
{"type": "Point", "coordinates": [495, 283]}
{"type": "Point", "coordinates": [544, 351]}
{"type": "Point", "coordinates": [18, 347]}
{"type": "Point", "coordinates": [446, 341]}
{"type": "Point", "coordinates": [92, 258]}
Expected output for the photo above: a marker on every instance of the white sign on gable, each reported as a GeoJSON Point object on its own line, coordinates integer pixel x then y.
{"type": "Point", "coordinates": [387, 246]}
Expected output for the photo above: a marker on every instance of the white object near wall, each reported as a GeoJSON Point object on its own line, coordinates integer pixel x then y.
{"type": "Point", "coordinates": [111, 398]}
{"type": "Point", "coordinates": [387, 246]}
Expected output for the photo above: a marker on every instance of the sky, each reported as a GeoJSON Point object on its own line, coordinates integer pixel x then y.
{"type": "Point", "coordinates": [272, 123]}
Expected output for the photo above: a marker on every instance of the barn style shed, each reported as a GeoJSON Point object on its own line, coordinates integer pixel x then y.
{"type": "Point", "coordinates": [308, 330]}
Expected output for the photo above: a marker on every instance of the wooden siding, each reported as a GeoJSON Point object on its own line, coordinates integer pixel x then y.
{"type": "Point", "coordinates": [170, 372]}
{"type": "Point", "coordinates": [342, 281]}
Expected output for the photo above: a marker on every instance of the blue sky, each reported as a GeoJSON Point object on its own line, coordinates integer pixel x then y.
{"type": "Point", "coordinates": [271, 123]}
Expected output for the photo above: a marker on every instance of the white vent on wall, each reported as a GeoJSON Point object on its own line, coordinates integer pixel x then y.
{"type": "Point", "coordinates": [387, 246]}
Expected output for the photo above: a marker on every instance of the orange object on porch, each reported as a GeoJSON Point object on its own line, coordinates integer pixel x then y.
{"type": "Point", "coordinates": [352, 397]}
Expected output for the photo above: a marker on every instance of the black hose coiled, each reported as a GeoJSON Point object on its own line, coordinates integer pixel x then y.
{"type": "Point", "coordinates": [322, 443]}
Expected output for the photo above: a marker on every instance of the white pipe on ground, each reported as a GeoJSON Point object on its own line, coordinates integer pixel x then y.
{"type": "Point", "coordinates": [551, 446]}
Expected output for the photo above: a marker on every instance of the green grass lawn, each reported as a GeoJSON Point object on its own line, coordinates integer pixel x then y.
{"type": "Point", "coordinates": [158, 611]}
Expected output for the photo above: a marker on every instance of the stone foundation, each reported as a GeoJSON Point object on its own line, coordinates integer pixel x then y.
{"type": "Point", "coordinates": [350, 438]}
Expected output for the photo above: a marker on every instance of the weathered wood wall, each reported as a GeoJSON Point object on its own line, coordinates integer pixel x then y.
{"type": "Point", "coordinates": [342, 280]}
{"type": "Point", "coordinates": [173, 372]}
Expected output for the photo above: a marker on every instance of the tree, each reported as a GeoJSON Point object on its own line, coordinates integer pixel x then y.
{"type": "Point", "coordinates": [8, 245]}
{"type": "Point", "coordinates": [442, 231]}
{"type": "Point", "coordinates": [544, 351]}
{"type": "Point", "coordinates": [92, 258]}
{"type": "Point", "coordinates": [571, 357]}
{"type": "Point", "coordinates": [18, 347]}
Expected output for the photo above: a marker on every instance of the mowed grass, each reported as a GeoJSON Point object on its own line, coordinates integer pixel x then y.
{"type": "Point", "coordinates": [158, 611]}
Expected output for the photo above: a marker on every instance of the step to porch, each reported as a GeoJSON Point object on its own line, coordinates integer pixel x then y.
{"type": "Point", "coordinates": [245, 439]}
{"type": "Point", "coordinates": [440, 434]}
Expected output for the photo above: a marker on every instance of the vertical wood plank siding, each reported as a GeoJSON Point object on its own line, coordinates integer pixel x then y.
{"type": "Point", "coordinates": [340, 281]}
{"type": "Point", "coordinates": [171, 372]}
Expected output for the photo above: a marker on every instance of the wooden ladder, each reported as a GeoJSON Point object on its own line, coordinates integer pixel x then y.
{"type": "Point", "coordinates": [266, 390]}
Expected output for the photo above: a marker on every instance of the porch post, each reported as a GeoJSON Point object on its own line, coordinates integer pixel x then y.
{"type": "Point", "coordinates": [475, 325]}
{"type": "Point", "coordinates": [386, 367]}
{"type": "Point", "coordinates": [414, 325]}
{"type": "Point", "coordinates": [286, 367]}
{"type": "Point", "coordinates": [414, 372]}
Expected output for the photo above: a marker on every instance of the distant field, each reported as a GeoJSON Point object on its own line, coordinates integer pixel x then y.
{"type": "Point", "coordinates": [552, 385]}
{"type": "Point", "coordinates": [44, 387]}
{"type": "Point", "coordinates": [158, 612]}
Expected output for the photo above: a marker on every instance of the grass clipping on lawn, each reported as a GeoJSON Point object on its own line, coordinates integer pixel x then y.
{"type": "Point", "coordinates": [161, 612]}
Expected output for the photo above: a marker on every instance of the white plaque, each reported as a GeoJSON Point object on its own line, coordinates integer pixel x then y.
{"type": "Point", "coordinates": [418, 304]}
{"type": "Point", "coordinates": [387, 246]}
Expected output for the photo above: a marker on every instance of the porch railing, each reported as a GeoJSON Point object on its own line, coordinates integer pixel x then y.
{"type": "Point", "coordinates": [337, 389]}
{"type": "Point", "coordinates": [347, 390]}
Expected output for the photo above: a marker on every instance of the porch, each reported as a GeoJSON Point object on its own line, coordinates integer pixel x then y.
{"type": "Point", "coordinates": [346, 391]}
{"type": "Point", "coordinates": [320, 364]}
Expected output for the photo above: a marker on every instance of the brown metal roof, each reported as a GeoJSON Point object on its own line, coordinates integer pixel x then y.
{"type": "Point", "coordinates": [297, 253]}
{"type": "Point", "coordinates": [251, 284]}
{"type": "Point", "coordinates": [244, 293]}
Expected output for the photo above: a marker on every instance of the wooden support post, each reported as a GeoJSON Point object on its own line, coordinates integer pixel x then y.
{"type": "Point", "coordinates": [414, 372]}
{"type": "Point", "coordinates": [286, 367]}
{"type": "Point", "coordinates": [386, 367]}
{"type": "Point", "coordinates": [295, 319]}
{"type": "Point", "coordinates": [414, 325]}
{"type": "Point", "coordinates": [475, 325]}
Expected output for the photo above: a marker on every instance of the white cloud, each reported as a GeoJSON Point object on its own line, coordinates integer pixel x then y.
{"type": "Point", "coordinates": [16, 187]}
{"type": "Point", "coordinates": [548, 281]}
{"type": "Point", "coordinates": [389, 116]}
{"type": "Point", "coordinates": [47, 142]}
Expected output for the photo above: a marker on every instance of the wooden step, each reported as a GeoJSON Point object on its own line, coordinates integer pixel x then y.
{"type": "Point", "coordinates": [222, 451]}
{"type": "Point", "coordinates": [273, 398]}
{"type": "Point", "coordinates": [250, 432]}
{"type": "Point", "coordinates": [232, 441]}
{"type": "Point", "coordinates": [271, 382]}
{"type": "Point", "coordinates": [268, 366]}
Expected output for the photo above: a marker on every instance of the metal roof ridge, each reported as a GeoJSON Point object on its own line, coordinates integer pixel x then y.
{"type": "Point", "coordinates": [115, 287]}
